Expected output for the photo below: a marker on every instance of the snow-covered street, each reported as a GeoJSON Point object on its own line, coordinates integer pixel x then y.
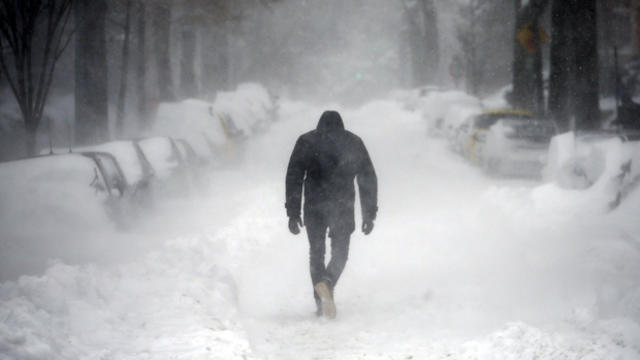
{"type": "Point", "coordinates": [459, 266]}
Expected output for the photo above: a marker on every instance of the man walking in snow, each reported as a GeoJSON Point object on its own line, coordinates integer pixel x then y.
{"type": "Point", "coordinates": [326, 161]}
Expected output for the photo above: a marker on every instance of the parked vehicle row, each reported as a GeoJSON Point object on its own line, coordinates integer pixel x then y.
{"type": "Point", "coordinates": [126, 176]}
{"type": "Point", "coordinates": [503, 141]}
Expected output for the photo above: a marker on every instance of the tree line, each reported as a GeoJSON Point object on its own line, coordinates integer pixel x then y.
{"type": "Point", "coordinates": [131, 44]}
{"type": "Point", "coordinates": [562, 58]}
{"type": "Point", "coordinates": [131, 55]}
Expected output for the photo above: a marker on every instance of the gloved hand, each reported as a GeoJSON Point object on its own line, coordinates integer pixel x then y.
{"type": "Point", "coordinates": [294, 225]}
{"type": "Point", "coordinates": [367, 226]}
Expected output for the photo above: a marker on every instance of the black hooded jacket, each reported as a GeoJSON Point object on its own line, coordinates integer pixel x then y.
{"type": "Point", "coordinates": [326, 161]}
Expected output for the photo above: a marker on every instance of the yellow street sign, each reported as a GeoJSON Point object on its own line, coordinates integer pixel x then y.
{"type": "Point", "coordinates": [527, 38]}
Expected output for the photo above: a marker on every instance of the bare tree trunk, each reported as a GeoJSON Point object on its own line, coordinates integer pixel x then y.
{"type": "Point", "coordinates": [524, 78]}
{"type": "Point", "coordinates": [141, 64]}
{"type": "Point", "coordinates": [161, 24]}
{"type": "Point", "coordinates": [538, 101]}
{"type": "Point", "coordinates": [472, 62]}
{"type": "Point", "coordinates": [519, 62]}
{"type": "Point", "coordinates": [187, 64]}
{"type": "Point", "coordinates": [27, 68]}
{"type": "Point", "coordinates": [417, 47]}
{"type": "Point", "coordinates": [561, 59]}
{"type": "Point", "coordinates": [91, 72]}
{"type": "Point", "coordinates": [404, 63]}
{"type": "Point", "coordinates": [31, 140]}
{"type": "Point", "coordinates": [216, 60]}
{"type": "Point", "coordinates": [124, 72]}
{"type": "Point", "coordinates": [431, 43]}
{"type": "Point", "coordinates": [635, 26]}
{"type": "Point", "coordinates": [587, 86]}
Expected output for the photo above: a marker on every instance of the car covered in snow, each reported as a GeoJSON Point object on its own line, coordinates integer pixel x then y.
{"type": "Point", "coordinates": [517, 146]}
{"type": "Point", "coordinates": [231, 130]}
{"type": "Point", "coordinates": [456, 127]}
{"type": "Point", "coordinates": [188, 153]}
{"type": "Point", "coordinates": [175, 163]}
{"type": "Point", "coordinates": [76, 187]}
{"type": "Point", "coordinates": [194, 121]}
{"type": "Point", "coordinates": [474, 134]}
{"type": "Point", "coordinates": [163, 155]}
{"type": "Point", "coordinates": [130, 158]}
{"type": "Point", "coordinates": [249, 107]}
{"type": "Point", "coordinates": [114, 178]}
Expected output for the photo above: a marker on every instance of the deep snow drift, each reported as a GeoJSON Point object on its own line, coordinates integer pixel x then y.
{"type": "Point", "coordinates": [459, 266]}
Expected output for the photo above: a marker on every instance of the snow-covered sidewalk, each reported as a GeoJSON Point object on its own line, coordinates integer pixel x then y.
{"type": "Point", "coordinates": [459, 266]}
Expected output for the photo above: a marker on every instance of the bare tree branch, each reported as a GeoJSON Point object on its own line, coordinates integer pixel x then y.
{"type": "Point", "coordinates": [29, 69]}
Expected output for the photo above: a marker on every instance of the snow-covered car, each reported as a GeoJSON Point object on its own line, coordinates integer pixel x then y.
{"type": "Point", "coordinates": [517, 146]}
{"type": "Point", "coordinates": [231, 130]}
{"type": "Point", "coordinates": [130, 158]}
{"type": "Point", "coordinates": [56, 206]}
{"type": "Point", "coordinates": [578, 160]}
{"type": "Point", "coordinates": [111, 172]}
{"type": "Point", "coordinates": [474, 136]}
{"type": "Point", "coordinates": [173, 164]}
{"type": "Point", "coordinates": [195, 121]}
{"type": "Point", "coordinates": [458, 121]}
{"type": "Point", "coordinates": [249, 107]}
{"type": "Point", "coordinates": [163, 155]}
{"type": "Point", "coordinates": [188, 154]}
{"type": "Point", "coordinates": [444, 110]}
{"type": "Point", "coordinates": [75, 187]}
{"type": "Point", "coordinates": [458, 136]}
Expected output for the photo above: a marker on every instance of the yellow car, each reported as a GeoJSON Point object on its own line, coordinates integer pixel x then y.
{"type": "Point", "coordinates": [476, 137]}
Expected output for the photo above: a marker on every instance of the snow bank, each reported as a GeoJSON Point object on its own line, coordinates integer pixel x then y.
{"type": "Point", "coordinates": [518, 341]}
{"type": "Point", "coordinates": [40, 185]}
{"type": "Point", "coordinates": [47, 208]}
{"type": "Point", "coordinates": [174, 301]}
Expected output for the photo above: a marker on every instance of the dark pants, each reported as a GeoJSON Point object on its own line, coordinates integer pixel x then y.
{"type": "Point", "coordinates": [316, 231]}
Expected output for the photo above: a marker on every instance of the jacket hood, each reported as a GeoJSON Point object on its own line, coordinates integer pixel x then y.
{"type": "Point", "coordinates": [330, 121]}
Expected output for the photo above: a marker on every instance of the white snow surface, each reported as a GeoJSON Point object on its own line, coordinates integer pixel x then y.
{"type": "Point", "coordinates": [459, 266]}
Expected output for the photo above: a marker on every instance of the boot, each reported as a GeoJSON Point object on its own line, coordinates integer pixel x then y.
{"type": "Point", "coordinates": [326, 299]}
